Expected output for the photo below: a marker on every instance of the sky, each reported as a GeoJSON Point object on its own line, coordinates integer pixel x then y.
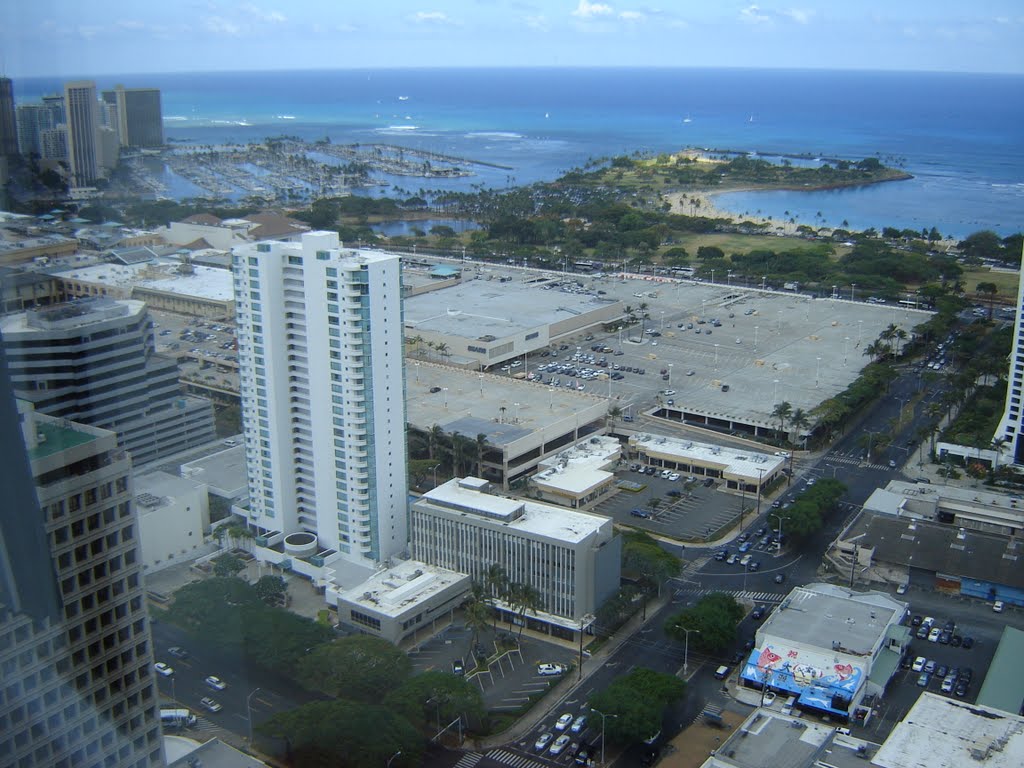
{"type": "Point", "coordinates": [108, 37]}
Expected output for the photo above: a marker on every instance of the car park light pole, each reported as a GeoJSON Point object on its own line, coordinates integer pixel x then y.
{"type": "Point", "coordinates": [248, 709]}
{"type": "Point", "coordinates": [603, 716]}
{"type": "Point", "coordinates": [780, 518]}
{"type": "Point", "coordinates": [391, 759]}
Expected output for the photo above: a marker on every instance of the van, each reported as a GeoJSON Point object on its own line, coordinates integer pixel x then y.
{"type": "Point", "coordinates": [722, 672]}
{"type": "Point", "coordinates": [177, 718]}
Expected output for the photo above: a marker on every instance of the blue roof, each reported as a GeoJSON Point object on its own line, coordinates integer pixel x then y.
{"type": "Point", "coordinates": [445, 271]}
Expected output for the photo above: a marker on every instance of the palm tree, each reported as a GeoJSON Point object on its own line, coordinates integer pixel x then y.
{"type": "Point", "coordinates": [441, 348]}
{"type": "Point", "coordinates": [496, 587]}
{"type": "Point", "coordinates": [613, 414]}
{"type": "Point", "coordinates": [782, 412]}
{"type": "Point", "coordinates": [435, 439]}
{"type": "Point", "coordinates": [876, 350]}
{"type": "Point", "coordinates": [523, 598]}
{"type": "Point", "coordinates": [481, 447]}
{"type": "Point", "coordinates": [478, 616]}
{"type": "Point", "coordinates": [990, 290]}
{"type": "Point", "coordinates": [799, 420]}
{"type": "Point", "coordinates": [901, 336]}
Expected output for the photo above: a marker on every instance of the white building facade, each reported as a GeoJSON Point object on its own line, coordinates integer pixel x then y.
{"type": "Point", "coordinates": [321, 368]}
{"type": "Point", "coordinates": [1010, 432]}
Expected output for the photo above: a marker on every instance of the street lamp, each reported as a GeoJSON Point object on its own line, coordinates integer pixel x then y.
{"type": "Point", "coordinates": [775, 392]}
{"type": "Point", "coordinates": [390, 759]}
{"type": "Point", "coordinates": [686, 646]}
{"type": "Point", "coordinates": [445, 390]}
{"type": "Point", "coordinates": [853, 288]}
{"type": "Point", "coordinates": [846, 348]}
{"type": "Point", "coordinates": [780, 518]}
{"type": "Point", "coordinates": [481, 384]}
{"type": "Point", "coordinates": [817, 372]}
{"type": "Point", "coordinates": [763, 279]}
{"type": "Point", "coordinates": [716, 357]}
{"type": "Point", "coordinates": [755, 338]}
{"type": "Point", "coordinates": [248, 709]}
{"type": "Point", "coordinates": [603, 716]}
{"type": "Point", "coordinates": [434, 470]}
{"type": "Point", "coordinates": [417, 372]}
{"type": "Point", "coordinates": [670, 373]}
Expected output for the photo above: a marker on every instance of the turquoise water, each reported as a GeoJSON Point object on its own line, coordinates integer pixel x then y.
{"type": "Point", "coordinates": [958, 134]}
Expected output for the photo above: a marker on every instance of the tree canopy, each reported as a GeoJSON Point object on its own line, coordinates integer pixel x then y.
{"type": "Point", "coordinates": [637, 701]}
{"type": "Point", "coordinates": [359, 667]}
{"type": "Point", "coordinates": [712, 623]}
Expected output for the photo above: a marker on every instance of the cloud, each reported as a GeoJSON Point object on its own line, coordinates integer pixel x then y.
{"type": "Point", "coordinates": [799, 15]}
{"type": "Point", "coordinates": [539, 23]}
{"type": "Point", "coordinates": [754, 15]}
{"type": "Point", "coordinates": [632, 16]}
{"type": "Point", "coordinates": [431, 17]}
{"type": "Point", "coordinates": [587, 10]}
{"type": "Point", "coordinates": [89, 31]}
{"type": "Point", "coordinates": [218, 25]}
{"type": "Point", "coordinates": [270, 17]}
{"type": "Point", "coordinates": [131, 24]}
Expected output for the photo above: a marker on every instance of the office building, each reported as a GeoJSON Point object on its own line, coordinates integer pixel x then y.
{"type": "Point", "coordinates": [82, 110]}
{"type": "Point", "coordinates": [136, 115]}
{"type": "Point", "coordinates": [55, 103]}
{"type": "Point", "coordinates": [1009, 434]}
{"type": "Point", "coordinates": [75, 649]}
{"type": "Point", "coordinates": [572, 559]}
{"type": "Point", "coordinates": [53, 143]}
{"type": "Point", "coordinates": [8, 123]}
{"type": "Point", "coordinates": [94, 361]}
{"type": "Point", "coordinates": [32, 120]}
{"type": "Point", "coordinates": [323, 397]}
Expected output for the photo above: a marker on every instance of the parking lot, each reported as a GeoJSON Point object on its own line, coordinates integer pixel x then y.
{"type": "Point", "coordinates": [973, 662]}
{"type": "Point", "coordinates": [508, 677]}
{"type": "Point", "coordinates": [686, 509]}
{"type": "Point", "coordinates": [205, 349]}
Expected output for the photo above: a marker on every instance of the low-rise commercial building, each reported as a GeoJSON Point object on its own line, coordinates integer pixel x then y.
{"type": "Point", "coordinates": [579, 476]}
{"type": "Point", "coordinates": [396, 602]}
{"type": "Point", "coordinates": [827, 647]}
{"type": "Point", "coordinates": [173, 512]}
{"type": "Point", "coordinates": [572, 559]}
{"type": "Point", "coordinates": [742, 470]}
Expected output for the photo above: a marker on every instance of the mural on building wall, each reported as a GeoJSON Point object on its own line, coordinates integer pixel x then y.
{"type": "Point", "coordinates": [786, 669]}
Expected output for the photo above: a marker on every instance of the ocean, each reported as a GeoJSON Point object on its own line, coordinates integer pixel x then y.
{"type": "Point", "coordinates": [960, 135]}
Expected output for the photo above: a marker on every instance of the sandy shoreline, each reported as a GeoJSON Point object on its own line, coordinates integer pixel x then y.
{"type": "Point", "coordinates": [703, 204]}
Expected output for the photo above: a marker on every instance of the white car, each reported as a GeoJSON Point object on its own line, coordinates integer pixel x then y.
{"type": "Point", "coordinates": [216, 683]}
{"type": "Point", "coordinates": [163, 669]}
{"type": "Point", "coordinates": [745, 559]}
{"type": "Point", "coordinates": [769, 698]}
{"type": "Point", "coordinates": [545, 669]}
{"type": "Point", "coordinates": [997, 606]}
{"type": "Point", "coordinates": [666, 474]}
{"type": "Point", "coordinates": [579, 724]}
{"type": "Point", "coordinates": [674, 476]}
{"type": "Point", "coordinates": [918, 665]}
{"type": "Point", "coordinates": [563, 722]}
{"type": "Point", "coordinates": [933, 636]}
{"type": "Point", "coordinates": [668, 392]}
{"type": "Point", "coordinates": [210, 704]}
{"type": "Point", "coordinates": [542, 741]}
{"type": "Point", "coordinates": [559, 745]}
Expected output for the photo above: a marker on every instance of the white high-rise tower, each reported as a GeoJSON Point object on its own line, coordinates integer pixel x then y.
{"type": "Point", "coordinates": [323, 402]}
{"type": "Point", "coordinates": [1010, 432]}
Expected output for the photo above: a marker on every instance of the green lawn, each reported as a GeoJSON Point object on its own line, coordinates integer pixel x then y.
{"type": "Point", "coordinates": [1006, 282]}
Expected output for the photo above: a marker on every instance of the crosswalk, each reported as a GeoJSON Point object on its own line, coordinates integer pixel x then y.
{"type": "Point", "coordinates": [853, 461]}
{"type": "Point", "coordinates": [757, 597]}
{"type": "Point", "coordinates": [469, 759]}
{"type": "Point", "coordinates": [505, 757]}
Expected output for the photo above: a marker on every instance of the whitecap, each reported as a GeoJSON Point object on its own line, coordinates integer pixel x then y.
{"type": "Point", "coordinates": [493, 135]}
{"type": "Point", "coordinates": [285, 117]}
{"type": "Point", "coordinates": [394, 128]}
{"type": "Point", "coordinates": [175, 118]}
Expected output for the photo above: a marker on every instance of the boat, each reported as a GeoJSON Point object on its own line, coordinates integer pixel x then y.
{"type": "Point", "coordinates": [687, 119]}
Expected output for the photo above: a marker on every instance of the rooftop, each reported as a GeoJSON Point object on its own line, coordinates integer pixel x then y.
{"type": "Point", "coordinates": [223, 472]}
{"type": "Point", "coordinates": [545, 520]}
{"type": "Point", "coordinates": [734, 461]}
{"type": "Point", "coordinates": [154, 490]}
{"type": "Point", "coordinates": [162, 275]}
{"type": "Point", "coordinates": [941, 548]}
{"type": "Point", "coordinates": [941, 732]}
{"type": "Point", "coordinates": [580, 467]}
{"type": "Point", "coordinates": [824, 614]}
{"type": "Point", "coordinates": [391, 592]}
{"type": "Point", "coordinates": [57, 435]}
{"type": "Point", "coordinates": [768, 739]}
{"type": "Point", "coordinates": [1004, 684]}
{"type": "Point", "coordinates": [488, 307]}
{"type": "Point", "coordinates": [70, 315]}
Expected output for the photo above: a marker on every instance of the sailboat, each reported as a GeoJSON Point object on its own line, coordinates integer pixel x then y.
{"type": "Point", "coordinates": [687, 119]}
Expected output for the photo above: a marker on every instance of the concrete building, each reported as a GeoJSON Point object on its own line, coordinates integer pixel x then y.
{"type": "Point", "coordinates": [32, 120]}
{"type": "Point", "coordinates": [138, 114]}
{"type": "Point", "coordinates": [827, 647]}
{"type": "Point", "coordinates": [398, 601]}
{"type": "Point", "coordinates": [95, 361]}
{"type": "Point", "coordinates": [572, 559]}
{"type": "Point", "coordinates": [82, 110]}
{"type": "Point", "coordinates": [323, 396]}
{"type": "Point", "coordinates": [743, 471]}
{"type": "Point", "coordinates": [1009, 434]}
{"type": "Point", "coordinates": [79, 686]}
{"type": "Point", "coordinates": [941, 732]}
{"type": "Point", "coordinates": [900, 548]}
{"type": "Point", "coordinates": [174, 513]}
{"type": "Point", "coordinates": [970, 508]}
{"type": "Point", "coordinates": [53, 143]}
{"type": "Point", "coordinates": [8, 122]}
{"type": "Point", "coordinates": [772, 739]}
{"type": "Point", "coordinates": [579, 476]}
{"type": "Point", "coordinates": [488, 318]}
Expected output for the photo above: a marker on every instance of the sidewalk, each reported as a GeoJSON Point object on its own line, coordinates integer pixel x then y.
{"type": "Point", "coordinates": [553, 700]}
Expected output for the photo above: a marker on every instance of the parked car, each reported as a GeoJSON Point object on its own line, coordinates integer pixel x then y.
{"type": "Point", "coordinates": [546, 669]}
{"type": "Point", "coordinates": [933, 635]}
{"type": "Point", "coordinates": [177, 652]}
{"type": "Point", "coordinates": [918, 665]}
{"type": "Point", "coordinates": [923, 679]}
{"type": "Point", "coordinates": [998, 606]}
{"type": "Point", "coordinates": [458, 668]}
{"type": "Point", "coordinates": [163, 669]}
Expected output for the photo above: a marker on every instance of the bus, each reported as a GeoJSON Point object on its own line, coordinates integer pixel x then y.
{"type": "Point", "coordinates": [177, 718]}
